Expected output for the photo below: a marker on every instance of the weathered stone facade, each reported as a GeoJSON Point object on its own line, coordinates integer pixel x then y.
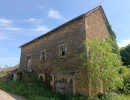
{"type": "Point", "coordinates": [58, 69]}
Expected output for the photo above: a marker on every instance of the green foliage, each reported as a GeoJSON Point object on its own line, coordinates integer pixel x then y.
{"type": "Point", "coordinates": [32, 88]}
{"type": "Point", "coordinates": [4, 72]}
{"type": "Point", "coordinates": [114, 46]}
{"type": "Point", "coordinates": [126, 84]}
{"type": "Point", "coordinates": [126, 88]}
{"type": "Point", "coordinates": [125, 55]}
{"type": "Point", "coordinates": [125, 71]}
{"type": "Point", "coordinates": [112, 33]}
{"type": "Point", "coordinates": [128, 66]}
{"type": "Point", "coordinates": [121, 97]}
{"type": "Point", "coordinates": [31, 91]}
{"type": "Point", "coordinates": [36, 91]}
{"type": "Point", "coordinates": [102, 64]}
{"type": "Point", "coordinates": [79, 97]}
{"type": "Point", "coordinates": [112, 40]}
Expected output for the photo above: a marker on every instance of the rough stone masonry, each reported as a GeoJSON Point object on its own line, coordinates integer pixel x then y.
{"type": "Point", "coordinates": [54, 56]}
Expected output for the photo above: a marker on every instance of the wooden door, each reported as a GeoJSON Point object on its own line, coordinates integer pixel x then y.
{"type": "Point", "coordinates": [28, 62]}
{"type": "Point", "coordinates": [64, 85]}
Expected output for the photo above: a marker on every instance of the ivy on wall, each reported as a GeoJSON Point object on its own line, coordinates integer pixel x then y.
{"type": "Point", "coordinates": [112, 40]}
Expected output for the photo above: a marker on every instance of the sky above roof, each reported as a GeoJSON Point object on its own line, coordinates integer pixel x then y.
{"type": "Point", "coordinates": [24, 20]}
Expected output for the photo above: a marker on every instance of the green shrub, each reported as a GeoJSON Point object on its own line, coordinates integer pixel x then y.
{"type": "Point", "coordinates": [125, 71]}
{"type": "Point", "coordinates": [126, 88]}
{"type": "Point", "coordinates": [36, 91]}
{"type": "Point", "coordinates": [128, 66]}
{"type": "Point", "coordinates": [31, 91]}
{"type": "Point", "coordinates": [121, 97]}
{"type": "Point", "coordinates": [79, 97]}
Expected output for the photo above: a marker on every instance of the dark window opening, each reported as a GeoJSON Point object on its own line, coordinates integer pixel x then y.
{"type": "Point", "coordinates": [41, 78]}
{"type": "Point", "coordinates": [43, 55]}
{"type": "Point", "coordinates": [63, 51]}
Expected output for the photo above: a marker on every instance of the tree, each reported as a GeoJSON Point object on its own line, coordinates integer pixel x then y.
{"type": "Point", "coordinates": [102, 64]}
{"type": "Point", "coordinates": [125, 55]}
{"type": "Point", "coordinates": [126, 84]}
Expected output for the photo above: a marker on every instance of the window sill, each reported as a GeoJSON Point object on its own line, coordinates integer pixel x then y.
{"type": "Point", "coordinates": [62, 57]}
{"type": "Point", "coordinates": [42, 60]}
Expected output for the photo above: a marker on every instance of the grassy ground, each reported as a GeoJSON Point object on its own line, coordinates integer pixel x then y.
{"type": "Point", "coordinates": [31, 91]}
{"type": "Point", "coordinates": [39, 91]}
{"type": "Point", "coordinates": [35, 91]}
{"type": "Point", "coordinates": [121, 97]}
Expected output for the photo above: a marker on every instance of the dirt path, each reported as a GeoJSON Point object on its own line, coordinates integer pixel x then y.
{"type": "Point", "coordinates": [8, 96]}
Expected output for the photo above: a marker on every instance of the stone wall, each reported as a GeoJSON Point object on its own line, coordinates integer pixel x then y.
{"type": "Point", "coordinates": [95, 25]}
{"type": "Point", "coordinates": [72, 35]}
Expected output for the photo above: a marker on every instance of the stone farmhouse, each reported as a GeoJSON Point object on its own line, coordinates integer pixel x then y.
{"type": "Point", "coordinates": [54, 56]}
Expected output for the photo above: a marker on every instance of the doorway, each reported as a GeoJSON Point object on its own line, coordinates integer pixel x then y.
{"type": "Point", "coordinates": [29, 62]}
{"type": "Point", "coordinates": [64, 85]}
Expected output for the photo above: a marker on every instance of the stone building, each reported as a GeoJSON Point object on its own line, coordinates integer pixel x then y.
{"type": "Point", "coordinates": [54, 56]}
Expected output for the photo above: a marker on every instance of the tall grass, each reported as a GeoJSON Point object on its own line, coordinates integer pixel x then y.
{"type": "Point", "coordinates": [31, 91]}
{"type": "Point", "coordinates": [35, 91]}
{"type": "Point", "coordinates": [121, 97]}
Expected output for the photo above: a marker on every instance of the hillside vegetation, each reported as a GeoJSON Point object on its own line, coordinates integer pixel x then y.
{"type": "Point", "coordinates": [125, 55]}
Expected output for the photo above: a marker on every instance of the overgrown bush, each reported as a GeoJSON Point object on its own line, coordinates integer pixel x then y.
{"type": "Point", "coordinates": [39, 91]}
{"type": "Point", "coordinates": [36, 91]}
{"type": "Point", "coordinates": [79, 97]}
{"type": "Point", "coordinates": [128, 66]}
{"type": "Point", "coordinates": [31, 91]}
{"type": "Point", "coordinates": [126, 88]}
{"type": "Point", "coordinates": [126, 77]}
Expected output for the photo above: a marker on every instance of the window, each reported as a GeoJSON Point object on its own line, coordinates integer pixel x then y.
{"type": "Point", "coordinates": [42, 77]}
{"type": "Point", "coordinates": [63, 50]}
{"type": "Point", "coordinates": [87, 51]}
{"type": "Point", "coordinates": [29, 58]}
{"type": "Point", "coordinates": [43, 55]}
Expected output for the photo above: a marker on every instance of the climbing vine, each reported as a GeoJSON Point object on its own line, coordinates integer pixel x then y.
{"type": "Point", "coordinates": [112, 40]}
{"type": "Point", "coordinates": [102, 64]}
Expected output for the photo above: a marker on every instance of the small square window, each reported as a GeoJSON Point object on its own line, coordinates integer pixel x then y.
{"type": "Point", "coordinates": [43, 55]}
{"type": "Point", "coordinates": [42, 77]}
{"type": "Point", "coordinates": [62, 50]}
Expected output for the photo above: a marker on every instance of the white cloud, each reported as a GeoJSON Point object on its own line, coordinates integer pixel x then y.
{"type": "Point", "coordinates": [123, 43]}
{"type": "Point", "coordinates": [34, 20]}
{"type": "Point", "coordinates": [119, 25]}
{"type": "Point", "coordinates": [41, 7]}
{"type": "Point", "coordinates": [41, 28]}
{"type": "Point", "coordinates": [55, 14]}
{"type": "Point", "coordinates": [5, 22]}
{"type": "Point", "coordinates": [31, 19]}
{"type": "Point", "coordinates": [3, 37]}
{"type": "Point", "coordinates": [8, 25]}
{"type": "Point", "coordinates": [13, 28]}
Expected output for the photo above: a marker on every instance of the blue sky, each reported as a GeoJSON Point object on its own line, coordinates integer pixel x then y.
{"type": "Point", "coordinates": [24, 20]}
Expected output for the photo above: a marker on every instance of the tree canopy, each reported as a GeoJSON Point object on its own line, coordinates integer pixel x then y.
{"type": "Point", "coordinates": [125, 55]}
{"type": "Point", "coordinates": [112, 40]}
{"type": "Point", "coordinates": [102, 64]}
